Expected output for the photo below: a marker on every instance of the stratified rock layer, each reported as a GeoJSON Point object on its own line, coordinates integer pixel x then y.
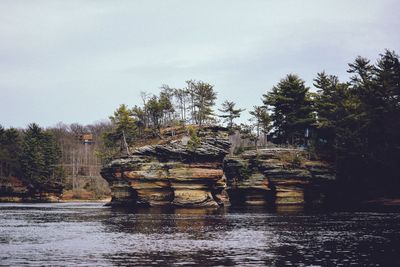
{"type": "Point", "coordinates": [276, 176]}
{"type": "Point", "coordinates": [175, 173]}
{"type": "Point", "coordinates": [170, 174]}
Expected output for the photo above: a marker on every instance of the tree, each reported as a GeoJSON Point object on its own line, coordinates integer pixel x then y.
{"type": "Point", "coordinates": [231, 113]}
{"type": "Point", "coordinates": [9, 152]}
{"type": "Point", "coordinates": [328, 103]}
{"type": "Point", "coordinates": [155, 111]}
{"type": "Point", "coordinates": [145, 96]}
{"type": "Point", "coordinates": [191, 92]}
{"type": "Point", "coordinates": [203, 99]}
{"type": "Point", "coordinates": [194, 141]}
{"type": "Point", "coordinates": [358, 122]}
{"type": "Point", "coordinates": [165, 102]}
{"type": "Point", "coordinates": [376, 89]}
{"type": "Point", "coordinates": [388, 82]}
{"type": "Point", "coordinates": [291, 105]}
{"type": "Point", "coordinates": [181, 96]}
{"type": "Point", "coordinates": [124, 131]}
{"type": "Point", "coordinates": [262, 122]}
{"type": "Point", "coordinates": [39, 158]}
{"type": "Point", "coordinates": [81, 160]}
{"type": "Point", "coordinates": [140, 117]}
{"type": "Point", "coordinates": [387, 148]}
{"type": "Point", "coordinates": [247, 132]}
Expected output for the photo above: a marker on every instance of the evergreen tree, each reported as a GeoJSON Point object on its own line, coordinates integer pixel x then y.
{"type": "Point", "coordinates": [39, 158]}
{"type": "Point", "coordinates": [155, 110]}
{"type": "Point", "coordinates": [9, 152]}
{"type": "Point", "coordinates": [388, 83]}
{"type": "Point", "coordinates": [329, 103]}
{"type": "Point", "coordinates": [230, 113]}
{"type": "Point", "coordinates": [358, 121]}
{"type": "Point", "coordinates": [124, 131]}
{"type": "Point", "coordinates": [203, 99]}
{"type": "Point", "coordinates": [377, 90]}
{"type": "Point", "coordinates": [140, 118]}
{"type": "Point", "coordinates": [165, 102]}
{"type": "Point", "coordinates": [292, 109]}
{"type": "Point", "coordinates": [247, 132]}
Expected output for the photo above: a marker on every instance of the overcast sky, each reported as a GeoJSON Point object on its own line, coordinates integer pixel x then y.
{"type": "Point", "coordinates": [76, 61]}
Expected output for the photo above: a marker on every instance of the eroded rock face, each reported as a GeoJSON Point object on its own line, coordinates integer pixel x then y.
{"type": "Point", "coordinates": [173, 173]}
{"type": "Point", "coordinates": [170, 174]}
{"type": "Point", "coordinates": [276, 176]}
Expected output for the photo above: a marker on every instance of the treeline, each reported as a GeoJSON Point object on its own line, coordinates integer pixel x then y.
{"type": "Point", "coordinates": [55, 158]}
{"type": "Point", "coordinates": [32, 154]}
{"type": "Point", "coordinates": [354, 124]}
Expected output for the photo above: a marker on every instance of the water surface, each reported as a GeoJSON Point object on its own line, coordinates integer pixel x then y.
{"type": "Point", "coordinates": [89, 234]}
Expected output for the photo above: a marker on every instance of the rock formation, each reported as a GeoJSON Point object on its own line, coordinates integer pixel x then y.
{"type": "Point", "coordinates": [175, 173]}
{"type": "Point", "coordinates": [276, 176]}
{"type": "Point", "coordinates": [171, 174]}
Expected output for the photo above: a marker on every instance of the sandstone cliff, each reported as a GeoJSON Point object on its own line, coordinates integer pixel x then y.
{"type": "Point", "coordinates": [174, 173]}
{"type": "Point", "coordinates": [276, 176]}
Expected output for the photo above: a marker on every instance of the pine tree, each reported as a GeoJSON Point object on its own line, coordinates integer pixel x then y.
{"type": "Point", "coordinates": [388, 83]}
{"type": "Point", "coordinates": [140, 117]}
{"type": "Point", "coordinates": [230, 113]}
{"type": "Point", "coordinates": [9, 152]}
{"type": "Point", "coordinates": [155, 112]}
{"type": "Point", "coordinates": [327, 103]}
{"type": "Point", "coordinates": [203, 99]}
{"type": "Point", "coordinates": [292, 111]}
{"type": "Point", "coordinates": [165, 102]}
{"type": "Point", "coordinates": [124, 131]}
{"type": "Point", "coordinates": [377, 90]}
{"type": "Point", "coordinates": [39, 158]}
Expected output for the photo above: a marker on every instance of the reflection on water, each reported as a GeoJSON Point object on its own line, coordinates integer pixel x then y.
{"type": "Point", "coordinates": [90, 234]}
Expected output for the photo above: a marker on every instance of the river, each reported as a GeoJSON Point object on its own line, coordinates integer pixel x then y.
{"type": "Point", "coordinates": [89, 234]}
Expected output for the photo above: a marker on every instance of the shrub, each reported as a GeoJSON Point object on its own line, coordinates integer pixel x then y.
{"type": "Point", "coordinates": [293, 160]}
{"type": "Point", "coordinates": [238, 150]}
{"type": "Point", "coordinates": [194, 141]}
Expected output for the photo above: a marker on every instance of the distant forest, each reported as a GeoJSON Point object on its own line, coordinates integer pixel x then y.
{"type": "Point", "coordinates": [354, 125]}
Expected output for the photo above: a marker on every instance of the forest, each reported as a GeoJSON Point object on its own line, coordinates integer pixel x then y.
{"type": "Point", "coordinates": [354, 125]}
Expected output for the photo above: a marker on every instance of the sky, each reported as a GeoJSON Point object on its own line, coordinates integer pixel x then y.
{"type": "Point", "coordinates": [77, 61]}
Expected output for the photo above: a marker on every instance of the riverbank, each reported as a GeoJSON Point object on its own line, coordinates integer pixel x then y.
{"type": "Point", "coordinates": [53, 200]}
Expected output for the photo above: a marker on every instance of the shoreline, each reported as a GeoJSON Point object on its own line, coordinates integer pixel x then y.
{"type": "Point", "coordinates": [376, 204]}
{"type": "Point", "coordinates": [22, 200]}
